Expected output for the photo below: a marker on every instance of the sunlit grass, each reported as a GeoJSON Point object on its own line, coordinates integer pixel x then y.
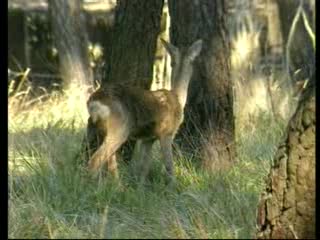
{"type": "Point", "coordinates": [67, 109]}
{"type": "Point", "coordinates": [260, 84]}
{"type": "Point", "coordinates": [51, 195]}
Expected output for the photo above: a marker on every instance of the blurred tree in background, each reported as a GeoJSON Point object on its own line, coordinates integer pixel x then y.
{"type": "Point", "coordinates": [71, 40]}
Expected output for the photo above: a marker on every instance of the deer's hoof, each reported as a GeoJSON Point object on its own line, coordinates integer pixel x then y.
{"type": "Point", "coordinates": [93, 166]}
{"type": "Point", "coordinates": [114, 174]}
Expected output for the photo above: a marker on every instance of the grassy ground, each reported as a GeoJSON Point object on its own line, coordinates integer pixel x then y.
{"type": "Point", "coordinates": [52, 196]}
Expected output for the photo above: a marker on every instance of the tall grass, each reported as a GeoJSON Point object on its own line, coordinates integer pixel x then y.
{"type": "Point", "coordinates": [51, 195]}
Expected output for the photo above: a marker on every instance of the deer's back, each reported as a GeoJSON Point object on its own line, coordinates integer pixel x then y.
{"type": "Point", "coordinates": [149, 113]}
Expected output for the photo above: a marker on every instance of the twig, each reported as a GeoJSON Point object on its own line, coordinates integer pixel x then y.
{"type": "Point", "coordinates": [24, 77]}
{"type": "Point", "coordinates": [309, 30]}
{"type": "Point", "coordinates": [293, 232]}
{"type": "Point", "coordinates": [290, 37]}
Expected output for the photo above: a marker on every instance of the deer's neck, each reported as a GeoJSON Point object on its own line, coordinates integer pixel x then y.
{"type": "Point", "coordinates": [181, 84]}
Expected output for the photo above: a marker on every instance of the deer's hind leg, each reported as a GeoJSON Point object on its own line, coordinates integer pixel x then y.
{"type": "Point", "coordinates": [107, 151]}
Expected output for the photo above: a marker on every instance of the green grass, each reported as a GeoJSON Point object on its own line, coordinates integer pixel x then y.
{"type": "Point", "coordinates": [51, 195]}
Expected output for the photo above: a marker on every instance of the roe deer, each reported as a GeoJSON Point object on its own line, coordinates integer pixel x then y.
{"type": "Point", "coordinates": [120, 112]}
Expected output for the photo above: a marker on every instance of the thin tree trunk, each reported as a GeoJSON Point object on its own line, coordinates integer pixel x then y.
{"type": "Point", "coordinates": [162, 64]}
{"type": "Point", "coordinates": [275, 43]}
{"type": "Point", "coordinates": [209, 122]}
{"type": "Point", "coordinates": [287, 206]}
{"type": "Point", "coordinates": [71, 40]}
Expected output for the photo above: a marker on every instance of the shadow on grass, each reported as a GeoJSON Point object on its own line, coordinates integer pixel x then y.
{"type": "Point", "coordinates": [52, 195]}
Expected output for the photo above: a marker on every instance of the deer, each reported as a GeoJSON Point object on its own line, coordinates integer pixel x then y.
{"type": "Point", "coordinates": [120, 113]}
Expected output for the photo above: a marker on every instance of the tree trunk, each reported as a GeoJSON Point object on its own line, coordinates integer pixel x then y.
{"type": "Point", "coordinates": [131, 54]}
{"type": "Point", "coordinates": [71, 40]}
{"type": "Point", "coordinates": [287, 207]}
{"type": "Point", "coordinates": [208, 127]}
{"type": "Point", "coordinates": [274, 40]}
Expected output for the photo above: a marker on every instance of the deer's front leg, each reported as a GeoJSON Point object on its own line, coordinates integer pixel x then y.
{"type": "Point", "coordinates": [145, 159]}
{"type": "Point", "coordinates": [166, 149]}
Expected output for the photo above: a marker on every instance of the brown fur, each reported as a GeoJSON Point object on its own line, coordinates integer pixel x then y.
{"type": "Point", "coordinates": [123, 112]}
{"type": "Point", "coordinates": [151, 113]}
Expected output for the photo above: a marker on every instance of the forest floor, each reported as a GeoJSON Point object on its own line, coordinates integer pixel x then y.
{"type": "Point", "coordinates": [51, 195]}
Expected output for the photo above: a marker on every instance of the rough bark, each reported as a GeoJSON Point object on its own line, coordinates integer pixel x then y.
{"type": "Point", "coordinates": [287, 206]}
{"type": "Point", "coordinates": [209, 123]}
{"type": "Point", "coordinates": [130, 56]}
{"type": "Point", "coordinates": [71, 40]}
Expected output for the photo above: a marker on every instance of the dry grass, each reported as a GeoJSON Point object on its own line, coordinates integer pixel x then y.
{"type": "Point", "coordinates": [52, 195]}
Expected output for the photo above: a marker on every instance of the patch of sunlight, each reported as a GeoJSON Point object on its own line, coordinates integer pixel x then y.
{"type": "Point", "coordinates": [20, 165]}
{"type": "Point", "coordinates": [244, 48]}
{"type": "Point", "coordinates": [99, 5]}
{"type": "Point", "coordinates": [69, 108]}
{"type": "Point", "coordinates": [18, 168]}
{"type": "Point", "coordinates": [255, 102]}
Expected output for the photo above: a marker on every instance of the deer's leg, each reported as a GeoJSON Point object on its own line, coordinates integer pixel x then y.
{"type": "Point", "coordinates": [145, 159]}
{"type": "Point", "coordinates": [166, 149]}
{"type": "Point", "coordinates": [106, 152]}
{"type": "Point", "coordinates": [112, 165]}
{"type": "Point", "coordinates": [93, 139]}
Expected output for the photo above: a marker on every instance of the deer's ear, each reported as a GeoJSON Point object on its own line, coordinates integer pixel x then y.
{"type": "Point", "coordinates": [172, 50]}
{"type": "Point", "coordinates": [195, 49]}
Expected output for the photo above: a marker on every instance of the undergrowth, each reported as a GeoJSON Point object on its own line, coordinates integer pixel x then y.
{"type": "Point", "coordinates": [51, 195]}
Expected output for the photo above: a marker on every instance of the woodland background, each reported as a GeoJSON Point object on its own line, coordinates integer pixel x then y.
{"type": "Point", "coordinates": [244, 157]}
